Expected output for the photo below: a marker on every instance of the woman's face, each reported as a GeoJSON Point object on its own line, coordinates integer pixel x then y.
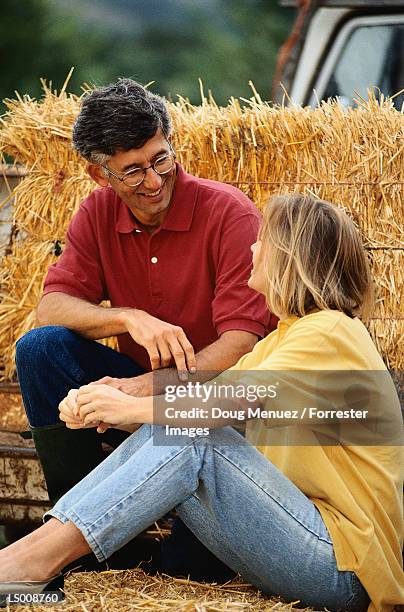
{"type": "Point", "coordinates": [257, 277]}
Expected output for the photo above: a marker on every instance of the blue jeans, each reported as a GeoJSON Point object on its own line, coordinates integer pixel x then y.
{"type": "Point", "coordinates": [232, 498]}
{"type": "Point", "coordinates": [52, 360]}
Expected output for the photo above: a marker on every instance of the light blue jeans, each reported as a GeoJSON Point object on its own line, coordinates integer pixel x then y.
{"type": "Point", "coordinates": [235, 501]}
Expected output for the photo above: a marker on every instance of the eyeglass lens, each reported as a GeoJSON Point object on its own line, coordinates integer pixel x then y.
{"type": "Point", "coordinates": [162, 165]}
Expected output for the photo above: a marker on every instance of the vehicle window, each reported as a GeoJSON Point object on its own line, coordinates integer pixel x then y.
{"type": "Point", "coordinates": [371, 56]}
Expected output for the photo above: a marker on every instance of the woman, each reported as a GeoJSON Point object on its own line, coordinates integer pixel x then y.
{"type": "Point", "coordinates": [320, 522]}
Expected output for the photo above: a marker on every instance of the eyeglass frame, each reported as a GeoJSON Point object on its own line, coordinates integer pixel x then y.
{"type": "Point", "coordinates": [144, 170]}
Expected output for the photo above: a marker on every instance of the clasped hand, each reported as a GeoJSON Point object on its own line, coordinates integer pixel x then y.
{"type": "Point", "coordinates": [97, 405]}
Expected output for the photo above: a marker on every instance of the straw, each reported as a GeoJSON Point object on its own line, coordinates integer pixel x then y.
{"type": "Point", "coordinates": [351, 157]}
{"type": "Point", "coordinates": [127, 590]}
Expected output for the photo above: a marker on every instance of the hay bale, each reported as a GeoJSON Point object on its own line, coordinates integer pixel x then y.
{"type": "Point", "coordinates": [121, 591]}
{"type": "Point", "coordinates": [57, 196]}
{"type": "Point", "coordinates": [12, 413]}
{"type": "Point", "coordinates": [352, 157]}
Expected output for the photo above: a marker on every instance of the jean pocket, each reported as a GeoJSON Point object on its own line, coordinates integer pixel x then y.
{"type": "Point", "coordinates": [359, 600]}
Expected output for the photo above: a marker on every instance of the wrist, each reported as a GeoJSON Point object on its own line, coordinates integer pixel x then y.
{"type": "Point", "coordinates": [148, 386]}
{"type": "Point", "coordinates": [124, 315]}
{"type": "Point", "coordinates": [134, 411]}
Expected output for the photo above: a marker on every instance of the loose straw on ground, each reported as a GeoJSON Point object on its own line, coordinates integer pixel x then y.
{"type": "Point", "coordinates": [122, 591]}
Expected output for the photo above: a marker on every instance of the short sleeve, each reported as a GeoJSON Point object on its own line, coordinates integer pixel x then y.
{"type": "Point", "coordinates": [235, 306]}
{"type": "Point", "coordinates": [78, 271]}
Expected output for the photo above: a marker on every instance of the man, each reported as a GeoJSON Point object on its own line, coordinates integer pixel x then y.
{"type": "Point", "coordinates": [172, 254]}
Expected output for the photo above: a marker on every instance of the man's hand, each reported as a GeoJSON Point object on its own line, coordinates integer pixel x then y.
{"type": "Point", "coordinates": [212, 360]}
{"type": "Point", "coordinates": [138, 386]}
{"type": "Point", "coordinates": [162, 341]}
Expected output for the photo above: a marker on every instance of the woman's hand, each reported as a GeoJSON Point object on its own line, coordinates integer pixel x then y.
{"type": "Point", "coordinates": [68, 414]}
{"type": "Point", "coordinates": [104, 404]}
{"type": "Point", "coordinates": [67, 411]}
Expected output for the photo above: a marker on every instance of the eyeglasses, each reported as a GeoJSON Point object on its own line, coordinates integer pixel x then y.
{"type": "Point", "coordinates": [133, 178]}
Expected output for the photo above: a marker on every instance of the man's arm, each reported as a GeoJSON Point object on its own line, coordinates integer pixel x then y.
{"type": "Point", "coordinates": [89, 320]}
{"type": "Point", "coordinates": [162, 340]}
{"type": "Point", "coordinates": [213, 359]}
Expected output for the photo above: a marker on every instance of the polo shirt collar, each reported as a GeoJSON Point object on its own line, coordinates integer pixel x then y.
{"type": "Point", "coordinates": [180, 213]}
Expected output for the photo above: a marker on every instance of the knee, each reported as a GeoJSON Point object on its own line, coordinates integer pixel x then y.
{"type": "Point", "coordinates": [226, 436]}
{"type": "Point", "coordinates": [42, 343]}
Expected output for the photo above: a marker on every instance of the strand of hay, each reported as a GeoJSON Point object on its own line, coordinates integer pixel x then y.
{"type": "Point", "coordinates": [124, 591]}
{"type": "Point", "coordinates": [388, 335]}
{"type": "Point", "coordinates": [12, 413]}
{"type": "Point", "coordinates": [352, 157]}
{"type": "Point", "coordinates": [387, 266]}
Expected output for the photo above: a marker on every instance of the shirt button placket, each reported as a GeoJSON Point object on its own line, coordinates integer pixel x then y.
{"type": "Point", "coordinates": [155, 279]}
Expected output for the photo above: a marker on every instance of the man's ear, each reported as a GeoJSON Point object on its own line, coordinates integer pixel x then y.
{"type": "Point", "coordinates": [170, 142]}
{"type": "Point", "coordinates": [97, 174]}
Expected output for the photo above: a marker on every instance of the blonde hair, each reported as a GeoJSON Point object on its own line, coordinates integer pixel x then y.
{"type": "Point", "coordinates": [313, 257]}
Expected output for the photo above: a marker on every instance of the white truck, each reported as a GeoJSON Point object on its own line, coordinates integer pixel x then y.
{"type": "Point", "coordinates": [341, 48]}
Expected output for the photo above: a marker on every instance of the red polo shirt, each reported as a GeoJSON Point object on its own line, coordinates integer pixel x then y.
{"type": "Point", "coordinates": [192, 271]}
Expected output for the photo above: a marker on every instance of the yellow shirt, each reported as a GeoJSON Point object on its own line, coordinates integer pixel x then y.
{"type": "Point", "coordinates": [358, 489]}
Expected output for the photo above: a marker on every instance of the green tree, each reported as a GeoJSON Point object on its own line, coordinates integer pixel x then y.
{"type": "Point", "coordinates": [38, 40]}
{"type": "Point", "coordinates": [172, 42]}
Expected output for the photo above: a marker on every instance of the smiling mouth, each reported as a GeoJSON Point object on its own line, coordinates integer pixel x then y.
{"type": "Point", "coordinates": [152, 195]}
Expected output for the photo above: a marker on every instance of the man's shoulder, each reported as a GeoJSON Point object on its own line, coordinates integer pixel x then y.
{"type": "Point", "coordinates": [101, 198]}
{"type": "Point", "coordinates": [225, 197]}
{"type": "Point", "coordinates": [97, 214]}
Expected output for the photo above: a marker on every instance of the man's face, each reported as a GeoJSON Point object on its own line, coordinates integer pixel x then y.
{"type": "Point", "coordinates": [149, 209]}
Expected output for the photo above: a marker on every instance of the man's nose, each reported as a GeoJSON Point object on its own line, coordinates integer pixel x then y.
{"type": "Point", "coordinates": [152, 181]}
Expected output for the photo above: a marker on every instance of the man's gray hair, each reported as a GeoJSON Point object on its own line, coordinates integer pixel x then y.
{"type": "Point", "coordinates": [118, 117]}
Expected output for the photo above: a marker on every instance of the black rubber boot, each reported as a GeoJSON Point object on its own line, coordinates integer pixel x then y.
{"type": "Point", "coordinates": [182, 554]}
{"type": "Point", "coordinates": [66, 455]}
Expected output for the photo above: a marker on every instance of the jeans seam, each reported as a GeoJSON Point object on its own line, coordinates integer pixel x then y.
{"type": "Point", "coordinates": [273, 498]}
{"type": "Point", "coordinates": [123, 499]}
{"type": "Point", "coordinates": [78, 374]}
{"type": "Point", "coordinates": [354, 589]}
{"type": "Point", "coordinates": [87, 534]}
{"type": "Point", "coordinates": [56, 514]}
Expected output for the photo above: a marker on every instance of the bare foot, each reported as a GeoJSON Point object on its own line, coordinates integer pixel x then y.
{"type": "Point", "coordinates": [18, 567]}
{"type": "Point", "coordinates": [44, 530]}
{"type": "Point", "coordinates": [42, 558]}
